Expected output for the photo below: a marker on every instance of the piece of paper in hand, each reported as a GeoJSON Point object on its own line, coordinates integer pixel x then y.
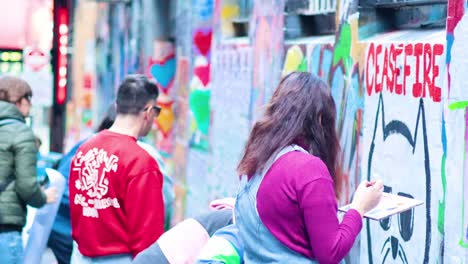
{"type": "Point", "coordinates": [389, 205]}
{"type": "Point", "coordinates": [45, 216]}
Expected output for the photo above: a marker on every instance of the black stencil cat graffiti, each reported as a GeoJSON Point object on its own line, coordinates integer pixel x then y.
{"type": "Point", "coordinates": [397, 244]}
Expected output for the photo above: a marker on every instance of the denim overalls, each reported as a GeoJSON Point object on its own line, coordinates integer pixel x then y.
{"type": "Point", "coordinates": [260, 246]}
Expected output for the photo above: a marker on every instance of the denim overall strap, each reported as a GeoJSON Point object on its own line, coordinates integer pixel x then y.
{"type": "Point", "coordinates": [260, 246]}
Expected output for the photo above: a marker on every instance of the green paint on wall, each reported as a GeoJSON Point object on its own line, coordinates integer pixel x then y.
{"type": "Point", "coordinates": [441, 210]}
{"type": "Point", "coordinates": [343, 46]}
{"type": "Point", "coordinates": [458, 105]}
{"type": "Point", "coordinates": [199, 102]}
{"type": "Point", "coordinates": [303, 66]}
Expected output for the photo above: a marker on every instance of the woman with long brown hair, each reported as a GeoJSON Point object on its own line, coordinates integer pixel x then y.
{"type": "Point", "coordinates": [286, 211]}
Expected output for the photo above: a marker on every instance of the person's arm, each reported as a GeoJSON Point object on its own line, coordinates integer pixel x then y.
{"type": "Point", "coordinates": [144, 209]}
{"type": "Point", "coordinates": [25, 153]}
{"type": "Point", "coordinates": [330, 240]}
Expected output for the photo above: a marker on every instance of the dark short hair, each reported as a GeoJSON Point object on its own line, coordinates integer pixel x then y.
{"type": "Point", "coordinates": [134, 93]}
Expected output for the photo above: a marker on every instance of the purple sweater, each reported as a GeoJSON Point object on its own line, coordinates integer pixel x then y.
{"type": "Point", "coordinates": [296, 202]}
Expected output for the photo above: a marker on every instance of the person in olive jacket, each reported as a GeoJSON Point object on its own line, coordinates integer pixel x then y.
{"type": "Point", "coordinates": [18, 182]}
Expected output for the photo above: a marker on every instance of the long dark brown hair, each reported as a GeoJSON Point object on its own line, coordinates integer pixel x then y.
{"type": "Point", "coordinates": [300, 110]}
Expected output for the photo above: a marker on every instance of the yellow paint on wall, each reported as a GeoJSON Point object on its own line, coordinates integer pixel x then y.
{"type": "Point", "coordinates": [229, 12]}
{"type": "Point", "coordinates": [294, 58]}
{"type": "Point", "coordinates": [166, 120]}
{"type": "Point", "coordinates": [358, 49]}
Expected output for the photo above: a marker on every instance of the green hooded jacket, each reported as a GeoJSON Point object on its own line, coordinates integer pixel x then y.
{"type": "Point", "coordinates": [18, 182]}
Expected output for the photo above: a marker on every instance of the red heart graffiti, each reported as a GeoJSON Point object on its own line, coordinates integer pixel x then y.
{"type": "Point", "coordinates": [203, 73]}
{"type": "Point", "coordinates": [202, 41]}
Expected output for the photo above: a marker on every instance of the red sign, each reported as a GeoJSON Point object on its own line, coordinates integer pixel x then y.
{"type": "Point", "coordinates": [36, 60]}
{"type": "Point", "coordinates": [61, 70]}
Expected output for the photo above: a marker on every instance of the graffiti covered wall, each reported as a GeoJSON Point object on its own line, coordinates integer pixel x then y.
{"type": "Point", "coordinates": [402, 125]}
{"type": "Point", "coordinates": [233, 88]}
{"type": "Point", "coordinates": [390, 92]}
{"type": "Point", "coordinates": [401, 112]}
{"type": "Point", "coordinates": [231, 91]}
{"type": "Point", "coordinates": [398, 103]}
{"type": "Point", "coordinates": [267, 40]}
{"type": "Point", "coordinates": [455, 127]}
{"type": "Point", "coordinates": [199, 115]}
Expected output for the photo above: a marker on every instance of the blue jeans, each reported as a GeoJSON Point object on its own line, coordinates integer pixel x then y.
{"type": "Point", "coordinates": [78, 258]}
{"type": "Point", "coordinates": [11, 247]}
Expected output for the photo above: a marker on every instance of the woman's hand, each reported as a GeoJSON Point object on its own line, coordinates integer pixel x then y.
{"type": "Point", "coordinates": [51, 194]}
{"type": "Point", "coordinates": [367, 196]}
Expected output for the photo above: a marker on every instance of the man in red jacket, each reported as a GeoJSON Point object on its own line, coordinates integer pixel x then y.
{"type": "Point", "coordinates": [116, 202]}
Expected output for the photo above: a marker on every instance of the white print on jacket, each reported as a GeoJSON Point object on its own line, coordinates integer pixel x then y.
{"type": "Point", "coordinates": [92, 169]}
